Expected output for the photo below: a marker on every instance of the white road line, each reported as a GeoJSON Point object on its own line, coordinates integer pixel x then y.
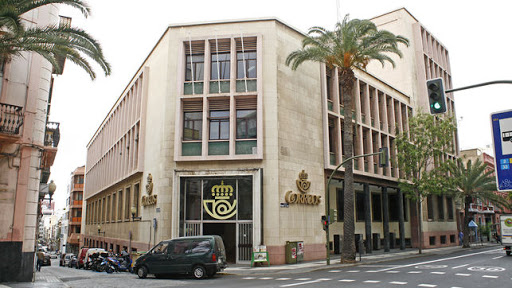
{"type": "Point", "coordinates": [353, 271]}
{"type": "Point", "coordinates": [371, 271]}
{"type": "Point", "coordinates": [305, 283]}
{"type": "Point", "coordinates": [415, 272]}
{"type": "Point", "coordinates": [334, 271]}
{"type": "Point", "coordinates": [266, 278]}
{"type": "Point", "coordinates": [438, 273]}
{"type": "Point", "coordinates": [303, 279]}
{"type": "Point", "coordinates": [490, 276]}
{"type": "Point", "coordinates": [427, 285]}
{"type": "Point", "coordinates": [497, 257]}
{"type": "Point", "coordinates": [462, 274]}
{"type": "Point", "coordinates": [249, 278]}
{"type": "Point", "coordinates": [398, 283]}
{"type": "Point", "coordinates": [283, 279]}
{"type": "Point", "coordinates": [371, 281]}
{"type": "Point", "coordinates": [392, 271]}
{"type": "Point", "coordinates": [460, 266]}
{"type": "Point", "coordinates": [346, 280]}
{"type": "Point", "coordinates": [434, 261]}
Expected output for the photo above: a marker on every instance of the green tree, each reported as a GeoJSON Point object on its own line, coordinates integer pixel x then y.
{"type": "Point", "coordinates": [352, 45]}
{"type": "Point", "coordinates": [51, 42]}
{"type": "Point", "coordinates": [419, 153]}
{"type": "Point", "coordinates": [474, 182]}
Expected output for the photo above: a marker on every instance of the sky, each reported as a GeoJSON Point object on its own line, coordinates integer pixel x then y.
{"type": "Point", "coordinates": [474, 32]}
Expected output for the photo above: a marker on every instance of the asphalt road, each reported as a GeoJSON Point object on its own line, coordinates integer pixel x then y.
{"type": "Point", "coordinates": [488, 267]}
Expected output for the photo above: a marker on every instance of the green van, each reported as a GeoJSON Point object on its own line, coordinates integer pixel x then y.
{"type": "Point", "coordinates": [197, 255]}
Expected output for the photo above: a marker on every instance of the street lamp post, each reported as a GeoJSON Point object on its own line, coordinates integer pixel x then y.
{"type": "Point", "coordinates": [100, 232]}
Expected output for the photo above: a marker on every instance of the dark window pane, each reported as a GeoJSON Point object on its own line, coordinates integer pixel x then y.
{"type": "Point", "coordinates": [376, 207]}
{"type": "Point", "coordinates": [360, 206]}
{"type": "Point", "coordinates": [340, 202]}
{"type": "Point", "coordinates": [245, 198]}
{"type": "Point", "coordinates": [246, 124]}
{"type": "Point", "coordinates": [193, 199]}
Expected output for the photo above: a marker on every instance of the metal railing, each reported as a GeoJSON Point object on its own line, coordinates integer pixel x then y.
{"type": "Point", "coordinates": [11, 119]}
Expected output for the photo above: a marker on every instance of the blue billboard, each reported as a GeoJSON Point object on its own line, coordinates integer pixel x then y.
{"type": "Point", "coordinates": [501, 123]}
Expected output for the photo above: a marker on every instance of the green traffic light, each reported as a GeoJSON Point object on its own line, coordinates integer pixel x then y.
{"type": "Point", "coordinates": [437, 106]}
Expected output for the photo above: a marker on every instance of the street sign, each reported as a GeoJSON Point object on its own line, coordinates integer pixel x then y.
{"type": "Point", "coordinates": [501, 124]}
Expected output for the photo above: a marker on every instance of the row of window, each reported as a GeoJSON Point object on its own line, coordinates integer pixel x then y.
{"type": "Point", "coordinates": [220, 65]}
{"type": "Point", "coordinates": [218, 118]}
{"type": "Point", "coordinates": [116, 206]}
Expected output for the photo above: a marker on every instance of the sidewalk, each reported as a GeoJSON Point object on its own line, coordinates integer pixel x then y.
{"type": "Point", "coordinates": [375, 257]}
{"type": "Point", "coordinates": [47, 279]}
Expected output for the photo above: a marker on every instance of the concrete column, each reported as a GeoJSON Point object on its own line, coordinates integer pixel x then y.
{"type": "Point", "coordinates": [385, 212]}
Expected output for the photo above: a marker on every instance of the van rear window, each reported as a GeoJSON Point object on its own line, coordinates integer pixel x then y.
{"type": "Point", "coordinates": [199, 246]}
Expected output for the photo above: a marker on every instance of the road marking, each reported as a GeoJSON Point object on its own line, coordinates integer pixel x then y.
{"type": "Point", "coordinates": [249, 278]}
{"type": "Point", "coordinates": [303, 279]}
{"type": "Point", "coordinates": [398, 283]}
{"type": "Point", "coordinates": [334, 271]}
{"type": "Point", "coordinates": [427, 285]}
{"type": "Point", "coordinates": [490, 276]}
{"type": "Point", "coordinates": [266, 278]}
{"type": "Point", "coordinates": [415, 272]}
{"type": "Point", "coordinates": [434, 261]}
{"type": "Point", "coordinates": [353, 271]}
{"type": "Point", "coordinates": [283, 279]}
{"type": "Point", "coordinates": [346, 280]}
{"type": "Point", "coordinates": [462, 274]}
{"type": "Point", "coordinates": [371, 281]}
{"type": "Point", "coordinates": [460, 266]}
{"type": "Point", "coordinates": [371, 271]}
{"type": "Point", "coordinates": [392, 271]}
{"type": "Point", "coordinates": [486, 268]}
{"type": "Point", "coordinates": [438, 273]}
{"type": "Point", "coordinates": [305, 283]}
{"type": "Point", "coordinates": [497, 257]}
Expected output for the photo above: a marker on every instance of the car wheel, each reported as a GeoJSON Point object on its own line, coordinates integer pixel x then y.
{"type": "Point", "coordinates": [142, 272]}
{"type": "Point", "coordinates": [199, 272]}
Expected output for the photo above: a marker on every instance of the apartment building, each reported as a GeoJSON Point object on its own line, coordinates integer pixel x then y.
{"type": "Point", "coordinates": [28, 146]}
{"type": "Point", "coordinates": [214, 134]}
{"type": "Point", "coordinates": [74, 210]}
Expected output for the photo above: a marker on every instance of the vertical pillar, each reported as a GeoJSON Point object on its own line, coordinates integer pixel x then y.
{"type": "Point", "coordinates": [367, 218]}
{"type": "Point", "coordinates": [385, 216]}
{"type": "Point", "coordinates": [401, 219]}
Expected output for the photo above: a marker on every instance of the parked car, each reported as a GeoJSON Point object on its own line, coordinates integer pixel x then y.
{"type": "Point", "coordinates": [73, 262]}
{"type": "Point", "coordinates": [200, 256]}
{"type": "Point", "coordinates": [53, 255]}
{"type": "Point", "coordinates": [47, 261]}
{"type": "Point", "coordinates": [81, 258]}
{"type": "Point", "coordinates": [64, 259]}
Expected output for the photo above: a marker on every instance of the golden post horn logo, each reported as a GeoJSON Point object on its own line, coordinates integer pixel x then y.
{"type": "Point", "coordinates": [221, 208]}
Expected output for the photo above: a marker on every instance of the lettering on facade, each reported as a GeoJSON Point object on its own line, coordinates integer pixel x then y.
{"type": "Point", "coordinates": [221, 207]}
{"type": "Point", "coordinates": [302, 198]}
{"type": "Point", "coordinates": [149, 199]}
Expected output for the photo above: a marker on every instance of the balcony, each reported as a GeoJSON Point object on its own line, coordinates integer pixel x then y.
{"type": "Point", "coordinates": [76, 204]}
{"type": "Point", "coordinates": [51, 141]}
{"type": "Point", "coordinates": [488, 209]}
{"type": "Point", "coordinates": [11, 119]}
{"type": "Point", "coordinates": [476, 208]}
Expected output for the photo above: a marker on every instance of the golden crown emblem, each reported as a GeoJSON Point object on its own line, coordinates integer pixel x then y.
{"type": "Point", "coordinates": [222, 191]}
{"type": "Point", "coordinates": [302, 183]}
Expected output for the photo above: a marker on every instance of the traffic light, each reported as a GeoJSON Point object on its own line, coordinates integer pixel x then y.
{"type": "Point", "coordinates": [436, 97]}
{"type": "Point", "coordinates": [383, 157]}
{"type": "Point", "coordinates": [325, 222]}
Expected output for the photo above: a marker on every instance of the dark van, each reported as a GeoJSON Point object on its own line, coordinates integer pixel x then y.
{"type": "Point", "coordinates": [200, 256]}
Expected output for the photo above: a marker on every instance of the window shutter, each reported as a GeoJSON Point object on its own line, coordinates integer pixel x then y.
{"type": "Point", "coordinates": [219, 104]}
{"type": "Point", "coordinates": [197, 47]}
{"type": "Point", "coordinates": [246, 103]}
{"type": "Point", "coordinates": [249, 44]}
{"type": "Point", "coordinates": [223, 45]}
{"type": "Point", "coordinates": [195, 105]}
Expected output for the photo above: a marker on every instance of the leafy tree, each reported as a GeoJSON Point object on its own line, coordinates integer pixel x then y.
{"type": "Point", "coordinates": [352, 45]}
{"type": "Point", "coordinates": [419, 153]}
{"type": "Point", "coordinates": [51, 42]}
{"type": "Point", "coordinates": [474, 181]}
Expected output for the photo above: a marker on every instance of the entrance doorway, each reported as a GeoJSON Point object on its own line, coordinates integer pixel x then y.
{"type": "Point", "coordinates": [228, 233]}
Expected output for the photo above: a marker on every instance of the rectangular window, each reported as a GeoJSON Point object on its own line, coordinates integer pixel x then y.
{"type": "Point", "coordinates": [114, 206]}
{"type": "Point", "coordinates": [246, 61]}
{"type": "Point", "coordinates": [195, 63]}
{"type": "Point", "coordinates": [440, 207]}
{"type": "Point", "coordinates": [340, 202]}
{"type": "Point", "coordinates": [136, 198]}
{"type": "Point", "coordinates": [108, 209]}
{"type": "Point", "coordinates": [430, 208]}
{"type": "Point", "coordinates": [360, 206]}
{"type": "Point", "coordinates": [127, 205]}
{"type": "Point", "coordinates": [376, 207]}
{"type": "Point", "coordinates": [192, 125]}
{"type": "Point", "coordinates": [219, 125]}
{"type": "Point", "coordinates": [194, 67]}
{"type": "Point", "coordinates": [246, 124]}
{"type": "Point", "coordinates": [449, 207]}
{"type": "Point", "coordinates": [221, 66]}
{"type": "Point", "coordinates": [393, 208]}
{"type": "Point", "coordinates": [120, 205]}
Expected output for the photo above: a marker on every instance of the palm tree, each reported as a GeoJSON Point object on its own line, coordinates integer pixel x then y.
{"type": "Point", "coordinates": [52, 42]}
{"type": "Point", "coordinates": [352, 45]}
{"type": "Point", "coordinates": [474, 182]}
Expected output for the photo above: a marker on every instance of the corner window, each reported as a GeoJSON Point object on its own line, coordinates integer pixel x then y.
{"type": "Point", "coordinates": [246, 65]}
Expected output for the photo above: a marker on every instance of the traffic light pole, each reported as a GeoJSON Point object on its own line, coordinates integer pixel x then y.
{"type": "Point", "coordinates": [479, 85]}
{"type": "Point", "coordinates": [328, 206]}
